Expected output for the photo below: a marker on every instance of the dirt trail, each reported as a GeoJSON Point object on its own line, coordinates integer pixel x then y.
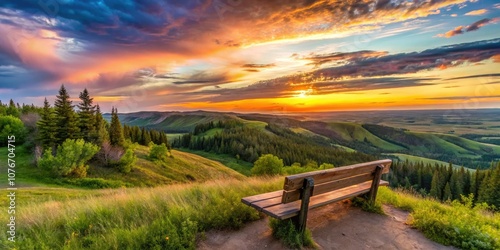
{"type": "Point", "coordinates": [336, 226]}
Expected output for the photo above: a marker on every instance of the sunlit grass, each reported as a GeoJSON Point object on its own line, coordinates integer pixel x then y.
{"type": "Point", "coordinates": [459, 223]}
{"type": "Point", "coordinates": [168, 217]}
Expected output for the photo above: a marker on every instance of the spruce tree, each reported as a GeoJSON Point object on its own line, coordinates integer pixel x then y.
{"type": "Point", "coordinates": [66, 118]}
{"type": "Point", "coordinates": [12, 109]}
{"type": "Point", "coordinates": [86, 115]}
{"type": "Point", "coordinates": [435, 186]}
{"type": "Point", "coordinates": [447, 195]}
{"type": "Point", "coordinates": [46, 127]}
{"type": "Point", "coordinates": [115, 130]}
{"type": "Point", "coordinates": [101, 134]}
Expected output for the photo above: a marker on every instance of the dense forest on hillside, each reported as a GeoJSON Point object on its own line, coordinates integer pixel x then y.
{"type": "Point", "coordinates": [249, 143]}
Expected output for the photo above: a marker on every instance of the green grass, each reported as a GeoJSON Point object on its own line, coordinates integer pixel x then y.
{"type": "Point", "coordinates": [168, 217]}
{"type": "Point", "coordinates": [240, 166]}
{"type": "Point", "coordinates": [459, 224]}
{"type": "Point", "coordinates": [181, 168]}
{"type": "Point", "coordinates": [355, 132]}
{"type": "Point", "coordinates": [27, 175]}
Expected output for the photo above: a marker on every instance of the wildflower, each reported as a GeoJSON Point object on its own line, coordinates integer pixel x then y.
{"type": "Point", "coordinates": [166, 238]}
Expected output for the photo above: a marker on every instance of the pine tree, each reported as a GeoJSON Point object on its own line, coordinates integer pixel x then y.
{"type": "Point", "coordinates": [115, 130]}
{"type": "Point", "coordinates": [66, 118]}
{"type": "Point", "coordinates": [86, 115]}
{"type": "Point", "coordinates": [435, 186]}
{"type": "Point", "coordinates": [447, 195]}
{"type": "Point", "coordinates": [46, 127]}
{"type": "Point", "coordinates": [101, 134]}
{"type": "Point", "coordinates": [12, 109]}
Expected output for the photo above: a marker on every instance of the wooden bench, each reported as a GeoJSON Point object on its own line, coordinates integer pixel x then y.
{"type": "Point", "coordinates": [302, 192]}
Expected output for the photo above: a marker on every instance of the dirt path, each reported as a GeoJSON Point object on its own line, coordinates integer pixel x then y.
{"type": "Point", "coordinates": [336, 226]}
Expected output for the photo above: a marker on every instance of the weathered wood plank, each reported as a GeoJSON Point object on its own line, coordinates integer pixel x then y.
{"type": "Point", "coordinates": [304, 205]}
{"type": "Point", "coordinates": [285, 211]}
{"type": "Point", "coordinates": [291, 196]}
{"type": "Point", "coordinates": [251, 199]}
{"type": "Point", "coordinates": [259, 205]}
{"type": "Point", "coordinates": [376, 181]}
{"type": "Point", "coordinates": [295, 181]}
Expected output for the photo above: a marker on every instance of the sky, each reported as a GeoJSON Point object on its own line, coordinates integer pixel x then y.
{"type": "Point", "coordinates": [253, 55]}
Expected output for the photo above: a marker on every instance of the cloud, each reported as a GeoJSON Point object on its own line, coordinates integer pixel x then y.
{"type": "Point", "coordinates": [481, 23]}
{"type": "Point", "coordinates": [253, 67]}
{"type": "Point", "coordinates": [474, 76]}
{"type": "Point", "coordinates": [457, 31]}
{"type": "Point", "coordinates": [368, 74]}
{"type": "Point", "coordinates": [474, 26]}
{"type": "Point", "coordinates": [95, 37]}
{"type": "Point", "coordinates": [476, 12]}
{"type": "Point", "coordinates": [341, 58]}
{"type": "Point", "coordinates": [461, 97]}
{"type": "Point", "coordinates": [258, 66]}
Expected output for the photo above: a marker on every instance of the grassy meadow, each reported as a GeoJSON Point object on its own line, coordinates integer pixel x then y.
{"type": "Point", "coordinates": [176, 216]}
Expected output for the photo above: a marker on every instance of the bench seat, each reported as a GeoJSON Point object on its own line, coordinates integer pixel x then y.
{"type": "Point", "coordinates": [271, 203]}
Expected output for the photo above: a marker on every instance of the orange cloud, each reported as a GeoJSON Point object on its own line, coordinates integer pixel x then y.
{"type": "Point", "coordinates": [476, 12]}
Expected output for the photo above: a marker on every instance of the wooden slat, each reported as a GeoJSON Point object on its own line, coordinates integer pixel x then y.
{"type": "Point", "coordinates": [285, 211]}
{"type": "Point", "coordinates": [251, 199]}
{"type": "Point", "coordinates": [295, 181]}
{"type": "Point", "coordinates": [259, 205]}
{"type": "Point", "coordinates": [291, 196]}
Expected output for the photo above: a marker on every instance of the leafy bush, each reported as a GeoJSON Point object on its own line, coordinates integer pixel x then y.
{"type": "Point", "coordinates": [291, 237]}
{"type": "Point", "coordinates": [268, 165]}
{"type": "Point", "coordinates": [10, 125]}
{"type": "Point", "coordinates": [70, 160]}
{"type": "Point", "coordinates": [127, 161]}
{"type": "Point", "coordinates": [158, 152]}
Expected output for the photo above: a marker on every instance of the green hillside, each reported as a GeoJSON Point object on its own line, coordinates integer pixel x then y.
{"type": "Point", "coordinates": [183, 167]}
{"type": "Point", "coordinates": [355, 132]}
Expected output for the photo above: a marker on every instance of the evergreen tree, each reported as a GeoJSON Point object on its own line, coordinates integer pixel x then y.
{"type": "Point", "coordinates": [86, 115]}
{"type": "Point", "coordinates": [12, 109]}
{"type": "Point", "coordinates": [46, 127]}
{"type": "Point", "coordinates": [115, 130]}
{"type": "Point", "coordinates": [66, 118]}
{"type": "Point", "coordinates": [101, 130]}
{"type": "Point", "coordinates": [435, 186]}
{"type": "Point", "coordinates": [447, 195]}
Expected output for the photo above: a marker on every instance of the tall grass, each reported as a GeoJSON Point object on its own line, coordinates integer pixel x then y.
{"type": "Point", "coordinates": [460, 224]}
{"type": "Point", "coordinates": [169, 217]}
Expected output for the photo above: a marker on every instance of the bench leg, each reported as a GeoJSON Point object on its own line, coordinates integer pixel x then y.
{"type": "Point", "coordinates": [372, 195]}
{"type": "Point", "coordinates": [300, 221]}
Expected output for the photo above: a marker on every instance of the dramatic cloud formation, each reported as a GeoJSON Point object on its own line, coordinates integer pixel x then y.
{"type": "Point", "coordinates": [343, 78]}
{"type": "Point", "coordinates": [156, 54]}
{"type": "Point", "coordinates": [475, 26]}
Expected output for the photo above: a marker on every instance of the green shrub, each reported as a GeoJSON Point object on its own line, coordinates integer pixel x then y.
{"type": "Point", "coordinates": [291, 237]}
{"type": "Point", "coordinates": [70, 159]}
{"type": "Point", "coordinates": [268, 165]}
{"type": "Point", "coordinates": [158, 152]}
{"type": "Point", "coordinates": [10, 125]}
{"type": "Point", "coordinates": [127, 161]}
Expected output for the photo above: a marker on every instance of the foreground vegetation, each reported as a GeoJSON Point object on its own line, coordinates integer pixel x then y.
{"type": "Point", "coordinates": [169, 217]}
{"type": "Point", "coordinates": [457, 223]}
{"type": "Point", "coordinates": [176, 216]}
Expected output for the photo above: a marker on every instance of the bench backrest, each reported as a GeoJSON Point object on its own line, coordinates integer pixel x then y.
{"type": "Point", "coordinates": [332, 179]}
